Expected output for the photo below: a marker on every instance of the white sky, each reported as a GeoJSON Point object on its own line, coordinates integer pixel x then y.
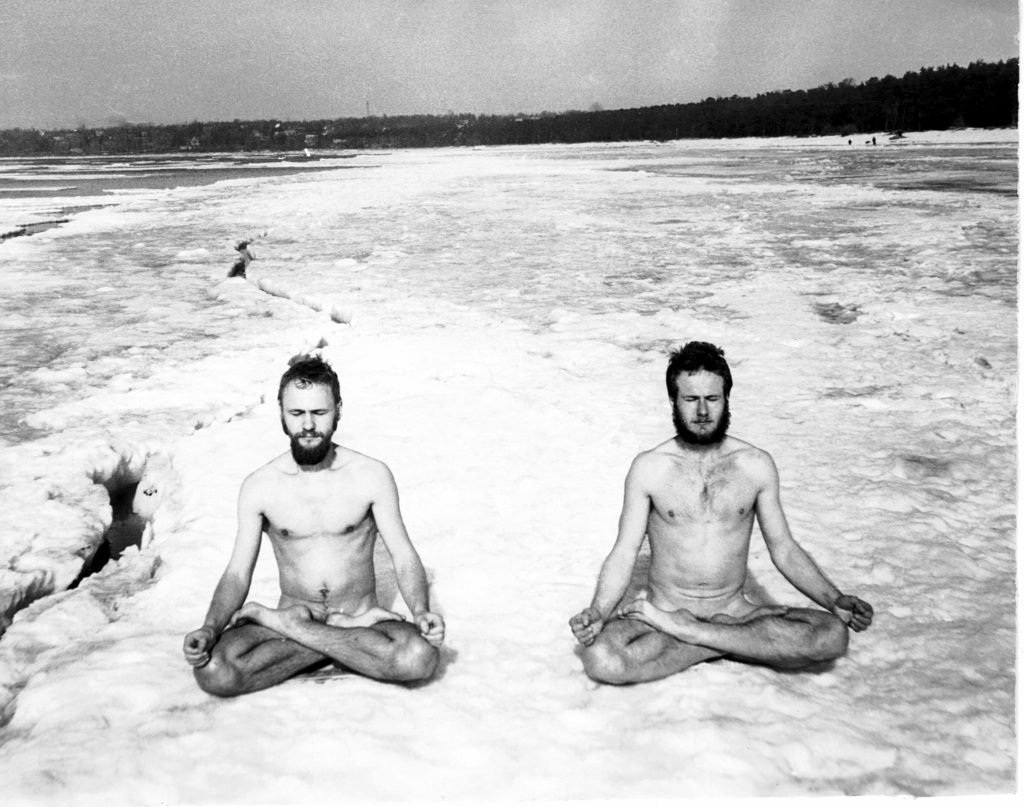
{"type": "Point", "coordinates": [66, 62]}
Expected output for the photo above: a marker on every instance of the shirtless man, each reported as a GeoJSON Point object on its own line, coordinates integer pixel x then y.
{"type": "Point", "coordinates": [695, 497]}
{"type": "Point", "coordinates": [322, 506]}
{"type": "Point", "coordinates": [245, 257]}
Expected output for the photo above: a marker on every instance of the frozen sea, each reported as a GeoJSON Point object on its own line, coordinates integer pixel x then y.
{"type": "Point", "coordinates": [500, 319]}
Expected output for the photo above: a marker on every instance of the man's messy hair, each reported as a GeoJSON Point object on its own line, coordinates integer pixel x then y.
{"type": "Point", "coordinates": [307, 371]}
{"type": "Point", "coordinates": [692, 358]}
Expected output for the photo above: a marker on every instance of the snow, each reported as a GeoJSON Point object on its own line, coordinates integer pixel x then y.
{"type": "Point", "coordinates": [499, 319]}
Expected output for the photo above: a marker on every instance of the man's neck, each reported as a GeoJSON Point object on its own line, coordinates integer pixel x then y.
{"type": "Point", "coordinates": [702, 450]}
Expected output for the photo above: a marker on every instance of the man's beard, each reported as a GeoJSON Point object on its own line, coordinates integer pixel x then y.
{"type": "Point", "coordinates": [310, 454]}
{"type": "Point", "coordinates": [687, 435]}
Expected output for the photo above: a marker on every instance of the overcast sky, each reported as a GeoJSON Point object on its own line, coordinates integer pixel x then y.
{"type": "Point", "coordinates": [67, 62]}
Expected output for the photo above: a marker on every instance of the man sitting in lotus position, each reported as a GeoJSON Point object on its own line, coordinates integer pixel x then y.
{"type": "Point", "coordinates": [322, 506]}
{"type": "Point", "coordinates": [695, 497]}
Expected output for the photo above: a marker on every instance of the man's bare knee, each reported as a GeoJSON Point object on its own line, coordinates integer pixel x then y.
{"type": "Point", "coordinates": [414, 659]}
{"type": "Point", "coordinates": [821, 637]}
{"type": "Point", "coordinates": [829, 639]}
{"type": "Point", "coordinates": [604, 664]}
{"type": "Point", "coordinates": [220, 678]}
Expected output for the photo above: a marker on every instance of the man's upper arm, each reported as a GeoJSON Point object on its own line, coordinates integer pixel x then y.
{"type": "Point", "coordinates": [636, 508]}
{"type": "Point", "coordinates": [770, 516]}
{"type": "Point", "coordinates": [250, 527]}
{"type": "Point", "coordinates": [386, 511]}
{"type": "Point", "coordinates": [788, 556]}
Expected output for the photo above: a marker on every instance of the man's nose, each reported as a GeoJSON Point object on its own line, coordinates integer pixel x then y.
{"type": "Point", "coordinates": [307, 421]}
{"type": "Point", "coordinates": [702, 407]}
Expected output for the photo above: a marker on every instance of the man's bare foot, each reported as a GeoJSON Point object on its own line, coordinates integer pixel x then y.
{"type": "Point", "coordinates": [363, 620]}
{"type": "Point", "coordinates": [679, 623]}
{"type": "Point", "coordinates": [250, 612]}
{"type": "Point", "coordinates": [764, 610]}
{"type": "Point", "coordinates": [275, 619]}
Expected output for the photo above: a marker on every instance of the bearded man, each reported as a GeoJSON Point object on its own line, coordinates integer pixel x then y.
{"type": "Point", "coordinates": [322, 506]}
{"type": "Point", "coordinates": [695, 497]}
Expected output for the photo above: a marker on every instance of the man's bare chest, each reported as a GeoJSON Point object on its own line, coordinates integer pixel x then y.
{"type": "Point", "coordinates": [716, 494]}
{"type": "Point", "coordinates": [297, 511]}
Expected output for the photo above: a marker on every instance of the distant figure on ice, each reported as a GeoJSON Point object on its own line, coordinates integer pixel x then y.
{"type": "Point", "coordinates": [245, 257]}
{"type": "Point", "coordinates": [322, 506]}
{"type": "Point", "coordinates": [695, 497]}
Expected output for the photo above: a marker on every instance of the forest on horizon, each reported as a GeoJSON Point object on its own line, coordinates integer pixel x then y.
{"type": "Point", "coordinates": [981, 95]}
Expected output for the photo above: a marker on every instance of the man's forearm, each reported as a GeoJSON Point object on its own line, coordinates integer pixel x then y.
{"type": "Point", "coordinates": [412, 583]}
{"type": "Point", "coordinates": [611, 586]}
{"type": "Point", "coordinates": [818, 588]}
{"type": "Point", "coordinates": [227, 598]}
{"type": "Point", "coordinates": [604, 603]}
{"type": "Point", "coordinates": [800, 570]}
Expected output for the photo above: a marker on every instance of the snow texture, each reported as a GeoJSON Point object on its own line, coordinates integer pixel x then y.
{"type": "Point", "coordinates": [500, 319]}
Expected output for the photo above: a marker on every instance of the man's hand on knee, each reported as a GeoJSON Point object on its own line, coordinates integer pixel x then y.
{"type": "Point", "coordinates": [198, 645]}
{"type": "Point", "coordinates": [854, 612]}
{"type": "Point", "coordinates": [431, 627]}
{"type": "Point", "coordinates": [586, 625]}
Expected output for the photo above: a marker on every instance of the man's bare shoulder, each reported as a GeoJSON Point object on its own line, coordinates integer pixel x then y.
{"type": "Point", "coordinates": [269, 471]}
{"type": "Point", "coordinates": [745, 456]}
{"type": "Point", "coordinates": [657, 454]}
{"type": "Point", "coordinates": [736, 445]}
{"type": "Point", "coordinates": [357, 462]}
{"type": "Point", "coordinates": [258, 487]}
{"type": "Point", "coordinates": [654, 461]}
{"type": "Point", "coordinates": [345, 459]}
{"type": "Point", "coordinates": [354, 474]}
{"type": "Point", "coordinates": [751, 460]}
{"type": "Point", "coordinates": [368, 475]}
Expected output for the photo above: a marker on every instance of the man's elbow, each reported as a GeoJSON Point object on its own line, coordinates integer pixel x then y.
{"type": "Point", "coordinates": [781, 552]}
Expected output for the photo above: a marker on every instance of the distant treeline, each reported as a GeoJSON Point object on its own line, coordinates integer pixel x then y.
{"type": "Point", "coordinates": [980, 95]}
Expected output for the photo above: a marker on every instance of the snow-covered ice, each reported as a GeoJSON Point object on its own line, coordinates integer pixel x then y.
{"type": "Point", "coordinates": [499, 319]}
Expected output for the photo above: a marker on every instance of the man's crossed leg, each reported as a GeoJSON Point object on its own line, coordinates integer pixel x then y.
{"type": "Point", "coordinates": [262, 647]}
{"type": "Point", "coordinates": [646, 643]}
